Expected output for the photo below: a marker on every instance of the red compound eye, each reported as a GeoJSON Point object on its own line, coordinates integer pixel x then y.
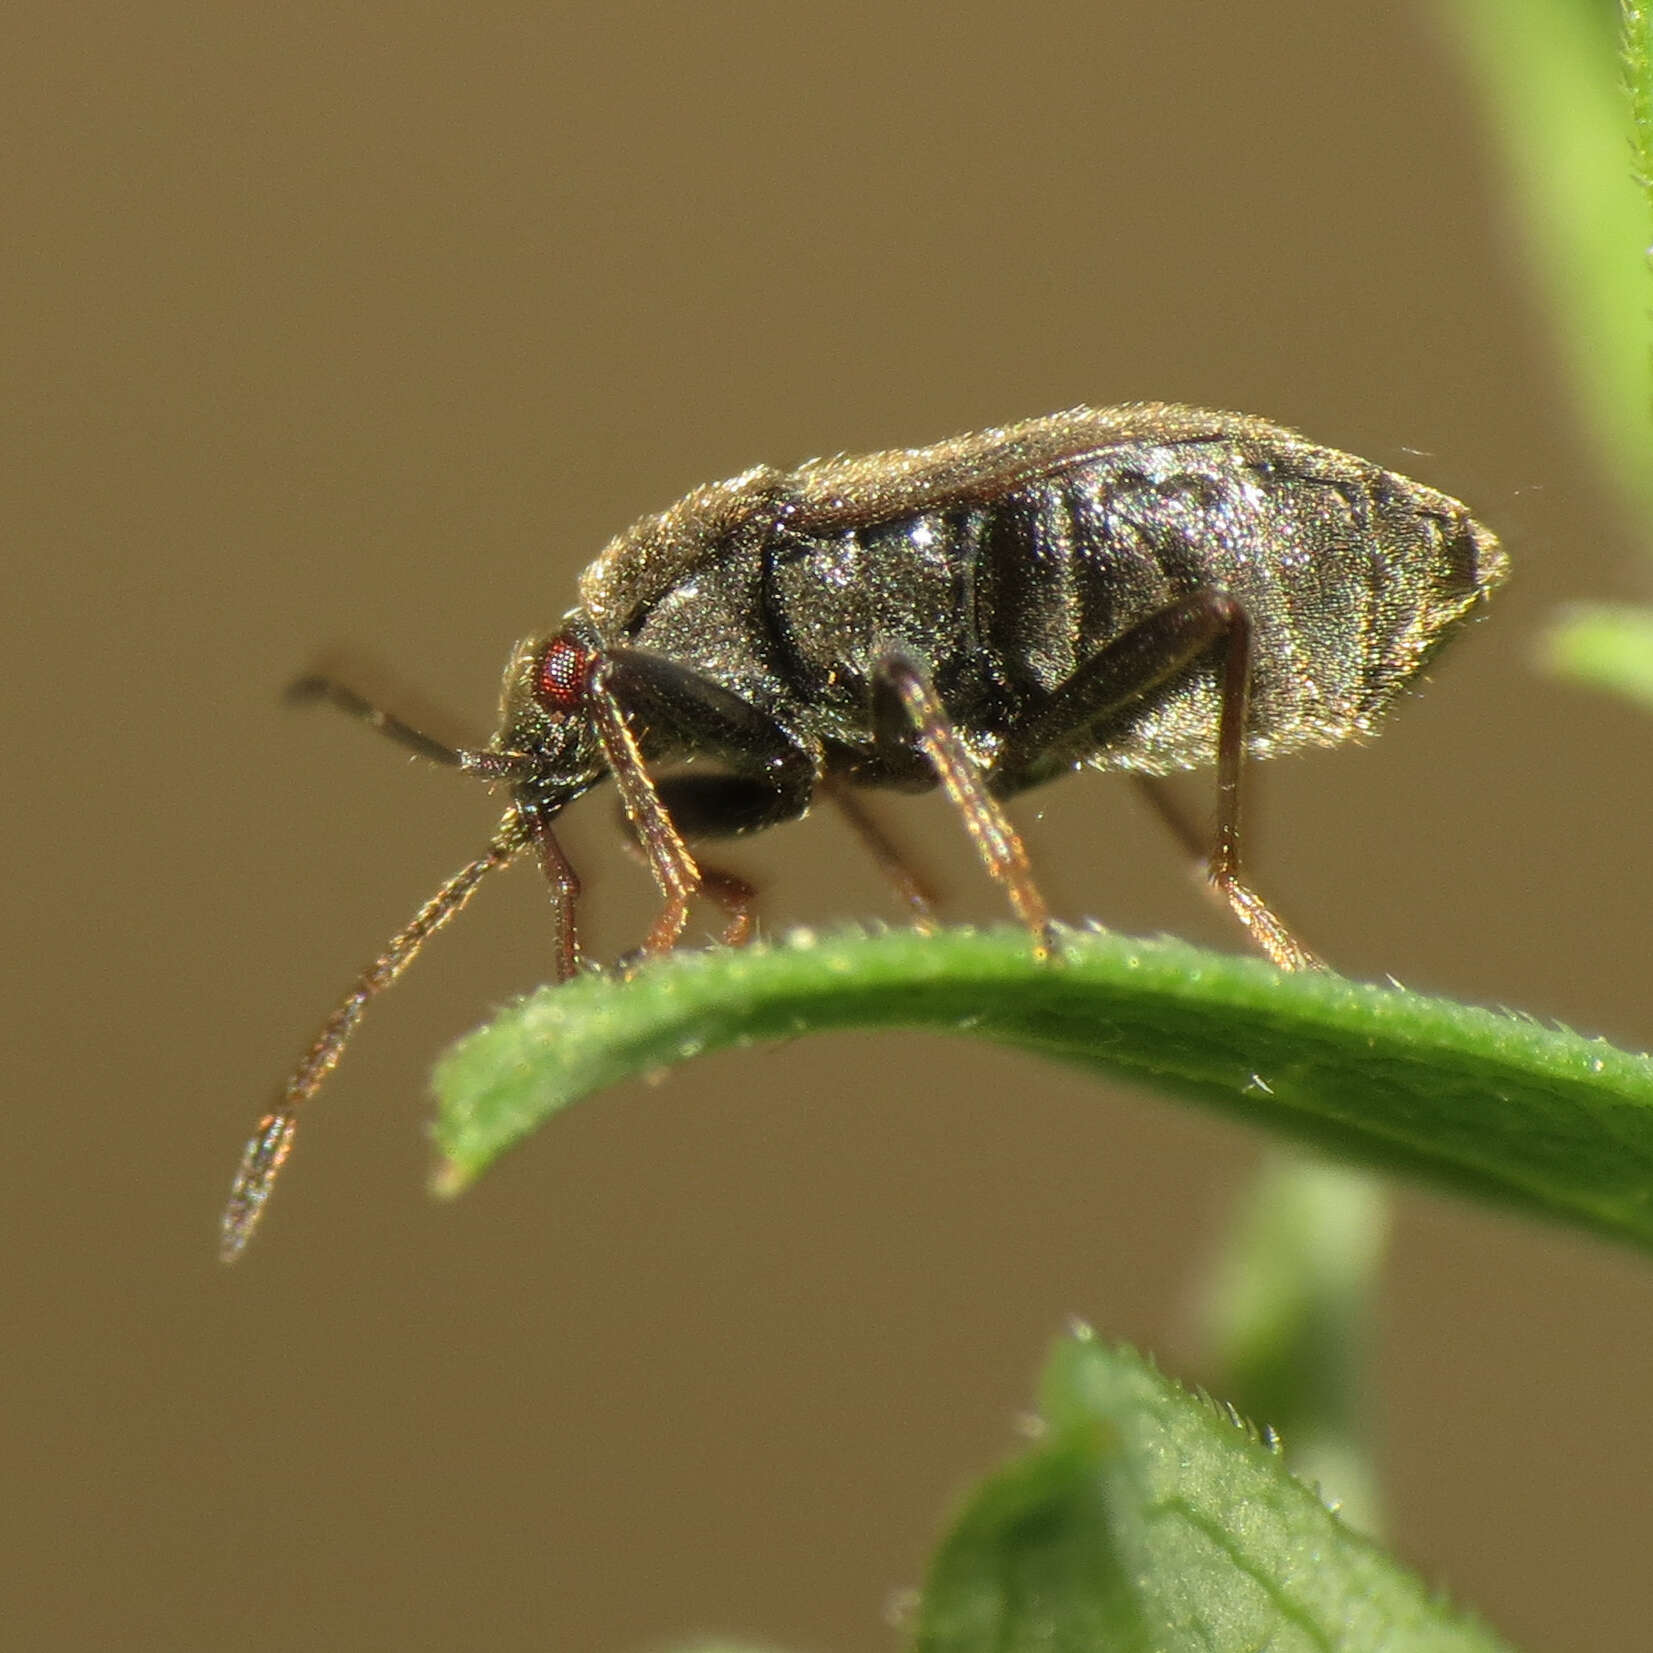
{"type": "Point", "coordinates": [564, 671]}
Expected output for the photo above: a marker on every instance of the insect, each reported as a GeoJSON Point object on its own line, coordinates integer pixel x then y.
{"type": "Point", "coordinates": [1148, 588]}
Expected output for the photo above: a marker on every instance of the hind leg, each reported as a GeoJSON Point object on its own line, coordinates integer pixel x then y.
{"type": "Point", "coordinates": [1151, 653]}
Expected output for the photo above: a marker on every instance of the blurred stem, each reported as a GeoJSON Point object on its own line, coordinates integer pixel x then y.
{"type": "Point", "coordinates": [1288, 1321]}
{"type": "Point", "coordinates": [1555, 103]}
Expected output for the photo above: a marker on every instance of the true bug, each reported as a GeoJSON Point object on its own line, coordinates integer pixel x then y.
{"type": "Point", "coordinates": [1148, 588]}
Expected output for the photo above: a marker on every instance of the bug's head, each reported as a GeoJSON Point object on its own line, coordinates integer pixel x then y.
{"type": "Point", "coordinates": [545, 720]}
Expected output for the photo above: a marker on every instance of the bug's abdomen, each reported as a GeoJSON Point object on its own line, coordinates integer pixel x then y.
{"type": "Point", "coordinates": [1351, 577]}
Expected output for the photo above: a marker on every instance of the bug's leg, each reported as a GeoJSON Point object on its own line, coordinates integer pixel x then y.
{"type": "Point", "coordinates": [267, 1152]}
{"type": "Point", "coordinates": [711, 805]}
{"type": "Point", "coordinates": [691, 715]}
{"type": "Point", "coordinates": [915, 891]}
{"type": "Point", "coordinates": [719, 806]}
{"type": "Point", "coordinates": [1264, 925]}
{"type": "Point", "coordinates": [1157, 795]}
{"type": "Point", "coordinates": [736, 896]}
{"type": "Point", "coordinates": [772, 778]}
{"type": "Point", "coordinates": [917, 710]}
{"type": "Point", "coordinates": [564, 885]}
{"type": "Point", "coordinates": [675, 869]}
{"type": "Point", "coordinates": [1152, 652]}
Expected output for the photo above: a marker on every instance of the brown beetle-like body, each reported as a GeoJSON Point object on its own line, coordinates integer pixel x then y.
{"type": "Point", "coordinates": [1148, 588]}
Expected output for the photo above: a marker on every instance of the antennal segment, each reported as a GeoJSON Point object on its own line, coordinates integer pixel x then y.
{"type": "Point", "coordinates": [319, 686]}
{"type": "Point", "coordinates": [267, 1151]}
{"type": "Point", "coordinates": [482, 761]}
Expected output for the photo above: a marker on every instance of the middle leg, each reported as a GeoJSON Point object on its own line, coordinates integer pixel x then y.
{"type": "Point", "coordinates": [905, 703]}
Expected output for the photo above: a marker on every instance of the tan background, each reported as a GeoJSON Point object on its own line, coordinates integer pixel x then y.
{"type": "Point", "coordinates": [366, 331]}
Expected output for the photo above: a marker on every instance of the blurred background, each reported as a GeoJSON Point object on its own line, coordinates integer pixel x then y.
{"type": "Point", "coordinates": [361, 329]}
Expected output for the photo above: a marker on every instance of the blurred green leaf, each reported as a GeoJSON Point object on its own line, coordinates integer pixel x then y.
{"type": "Point", "coordinates": [1147, 1520]}
{"type": "Point", "coordinates": [1637, 53]}
{"type": "Point", "coordinates": [1554, 90]}
{"type": "Point", "coordinates": [1608, 647]}
{"type": "Point", "coordinates": [1289, 1324]}
{"type": "Point", "coordinates": [1530, 1116]}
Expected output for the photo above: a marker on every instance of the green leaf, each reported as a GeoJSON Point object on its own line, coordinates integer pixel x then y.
{"type": "Point", "coordinates": [1534, 1117]}
{"type": "Point", "coordinates": [1149, 1521]}
{"type": "Point", "coordinates": [1289, 1324]}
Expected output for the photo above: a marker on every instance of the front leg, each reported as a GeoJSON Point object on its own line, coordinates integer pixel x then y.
{"type": "Point", "coordinates": [639, 698]}
{"type": "Point", "coordinates": [705, 805]}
